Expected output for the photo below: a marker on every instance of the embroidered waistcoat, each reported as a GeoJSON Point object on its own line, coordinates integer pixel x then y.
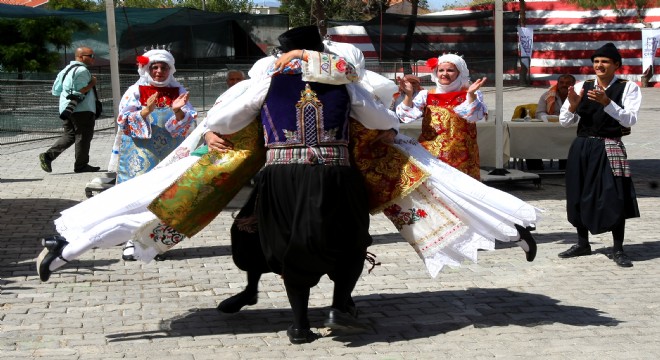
{"type": "Point", "coordinates": [297, 114]}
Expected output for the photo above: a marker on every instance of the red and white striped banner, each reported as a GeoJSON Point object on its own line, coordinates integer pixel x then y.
{"type": "Point", "coordinates": [565, 36]}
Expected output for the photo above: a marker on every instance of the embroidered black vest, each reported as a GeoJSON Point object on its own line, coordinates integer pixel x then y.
{"type": "Point", "coordinates": [296, 113]}
{"type": "Point", "coordinates": [594, 121]}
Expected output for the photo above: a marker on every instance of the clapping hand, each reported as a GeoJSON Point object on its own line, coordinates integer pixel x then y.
{"type": "Point", "coordinates": [598, 95]}
{"type": "Point", "coordinates": [152, 101]}
{"type": "Point", "coordinates": [574, 98]}
{"type": "Point", "coordinates": [180, 101]}
{"type": "Point", "coordinates": [476, 85]}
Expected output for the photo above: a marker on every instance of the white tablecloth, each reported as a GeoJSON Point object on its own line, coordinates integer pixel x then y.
{"type": "Point", "coordinates": [539, 140]}
{"type": "Point", "coordinates": [485, 139]}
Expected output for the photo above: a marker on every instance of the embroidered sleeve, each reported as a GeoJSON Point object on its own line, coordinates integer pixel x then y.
{"type": "Point", "coordinates": [473, 111]}
{"type": "Point", "coordinates": [409, 114]}
{"type": "Point", "coordinates": [328, 69]}
{"type": "Point", "coordinates": [178, 128]}
{"type": "Point", "coordinates": [130, 121]}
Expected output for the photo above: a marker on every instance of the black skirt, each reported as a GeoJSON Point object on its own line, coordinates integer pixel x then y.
{"type": "Point", "coordinates": [595, 198]}
{"type": "Point", "coordinates": [312, 220]}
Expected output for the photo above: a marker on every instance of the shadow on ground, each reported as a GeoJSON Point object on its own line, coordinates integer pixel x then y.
{"type": "Point", "coordinates": [393, 317]}
{"type": "Point", "coordinates": [20, 238]}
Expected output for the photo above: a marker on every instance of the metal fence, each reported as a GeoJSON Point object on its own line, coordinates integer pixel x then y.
{"type": "Point", "coordinates": [29, 112]}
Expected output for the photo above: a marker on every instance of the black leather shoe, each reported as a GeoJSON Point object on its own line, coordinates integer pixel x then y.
{"type": "Point", "coordinates": [344, 321]}
{"type": "Point", "coordinates": [575, 250]}
{"type": "Point", "coordinates": [300, 336]}
{"type": "Point", "coordinates": [45, 162]}
{"type": "Point", "coordinates": [52, 249]}
{"type": "Point", "coordinates": [235, 303]}
{"type": "Point", "coordinates": [87, 168]}
{"type": "Point", "coordinates": [621, 259]}
{"type": "Point", "coordinates": [527, 243]}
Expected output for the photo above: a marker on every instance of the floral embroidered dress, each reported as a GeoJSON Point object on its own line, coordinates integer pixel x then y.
{"type": "Point", "coordinates": [145, 142]}
{"type": "Point", "coordinates": [449, 131]}
{"type": "Point", "coordinates": [451, 215]}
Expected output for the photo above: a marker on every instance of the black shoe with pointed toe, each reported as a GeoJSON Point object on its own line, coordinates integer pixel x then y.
{"type": "Point", "coordinates": [53, 246]}
{"type": "Point", "coordinates": [527, 243]}
{"type": "Point", "coordinates": [235, 303]}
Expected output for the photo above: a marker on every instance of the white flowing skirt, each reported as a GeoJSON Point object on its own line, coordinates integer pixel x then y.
{"type": "Point", "coordinates": [451, 215]}
{"type": "Point", "coordinates": [120, 213]}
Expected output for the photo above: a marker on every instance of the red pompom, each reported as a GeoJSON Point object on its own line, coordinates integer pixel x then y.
{"type": "Point", "coordinates": [432, 62]}
{"type": "Point", "coordinates": [142, 60]}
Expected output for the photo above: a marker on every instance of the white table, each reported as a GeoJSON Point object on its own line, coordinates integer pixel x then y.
{"type": "Point", "coordinates": [539, 140]}
{"type": "Point", "coordinates": [485, 139]}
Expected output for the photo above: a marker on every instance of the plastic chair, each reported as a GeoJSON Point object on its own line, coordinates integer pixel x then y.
{"type": "Point", "coordinates": [523, 110]}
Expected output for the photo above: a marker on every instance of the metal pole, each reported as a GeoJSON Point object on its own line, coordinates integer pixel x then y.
{"type": "Point", "coordinates": [380, 45]}
{"type": "Point", "coordinates": [114, 56]}
{"type": "Point", "coordinates": [499, 84]}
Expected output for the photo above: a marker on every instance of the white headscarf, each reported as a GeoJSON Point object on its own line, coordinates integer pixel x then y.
{"type": "Point", "coordinates": [378, 85]}
{"type": "Point", "coordinates": [156, 56]}
{"type": "Point", "coordinates": [463, 79]}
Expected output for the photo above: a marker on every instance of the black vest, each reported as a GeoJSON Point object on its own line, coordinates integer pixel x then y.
{"type": "Point", "coordinates": [594, 121]}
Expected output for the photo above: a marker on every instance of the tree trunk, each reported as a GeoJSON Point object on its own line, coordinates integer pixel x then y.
{"type": "Point", "coordinates": [319, 16]}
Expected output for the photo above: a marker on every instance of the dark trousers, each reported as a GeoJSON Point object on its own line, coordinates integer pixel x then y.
{"type": "Point", "coordinates": [79, 130]}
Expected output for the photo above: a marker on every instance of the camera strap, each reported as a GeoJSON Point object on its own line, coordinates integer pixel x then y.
{"type": "Point", "coordinates": [67, 72]}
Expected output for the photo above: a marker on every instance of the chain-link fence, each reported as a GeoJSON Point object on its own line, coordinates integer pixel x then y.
{"type": "Point", "coordinates": [29, 112]}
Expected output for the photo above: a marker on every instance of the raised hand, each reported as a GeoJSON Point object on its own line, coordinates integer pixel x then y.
{"type": "Point", "coordinates": [180, 101]}
{"type": "Point", "coordinates": [476, 85]}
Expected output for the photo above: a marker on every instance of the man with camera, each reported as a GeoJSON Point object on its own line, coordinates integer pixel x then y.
{"type": "Point", "coordinates": [75, 87]}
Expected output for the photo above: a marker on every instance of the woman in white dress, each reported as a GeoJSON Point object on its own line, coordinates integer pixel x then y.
{"type": "Point", "coordinates": [452, 214]}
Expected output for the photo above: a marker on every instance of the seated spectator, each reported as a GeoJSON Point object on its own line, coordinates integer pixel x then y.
{"type": "Point", "coordinates": [549, 104]}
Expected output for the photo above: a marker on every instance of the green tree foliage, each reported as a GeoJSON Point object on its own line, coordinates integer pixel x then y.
{"type": "Point", "coordinates": [351, 10]}
{"type": "Point", "coordinates": [88, 5]}
{"type": "Point", "coordinates": [243, 6]}
{"type": "Point", "coordinates": [639, 5]}
{"type": "Point", "coordinates": [24, 42]}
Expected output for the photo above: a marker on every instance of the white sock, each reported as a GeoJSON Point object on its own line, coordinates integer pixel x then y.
{"type": "Point", "coordinates": [523, 244]}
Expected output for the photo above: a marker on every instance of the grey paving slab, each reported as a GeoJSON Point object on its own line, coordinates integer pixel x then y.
{"type": "Point", "coordinates": [101, 307]}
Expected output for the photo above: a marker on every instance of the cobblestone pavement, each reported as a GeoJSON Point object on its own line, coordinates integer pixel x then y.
{"type": "Point", "coordinates": [101, 307]}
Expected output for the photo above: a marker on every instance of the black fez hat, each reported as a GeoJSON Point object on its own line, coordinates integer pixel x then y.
{"type": "Point", "coordinates": [609, 51]}
{"type": "Point", "coordinates": [304, 38]}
